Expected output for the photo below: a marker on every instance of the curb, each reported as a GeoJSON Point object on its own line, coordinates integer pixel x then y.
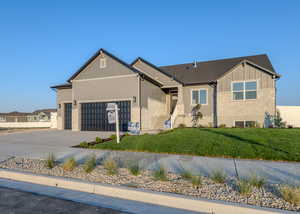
{"type": "Point", "coordinates": [145, 196]}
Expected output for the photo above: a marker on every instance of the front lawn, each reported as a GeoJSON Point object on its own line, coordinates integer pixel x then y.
{"type": "Point", "coordinates": [252, 143]}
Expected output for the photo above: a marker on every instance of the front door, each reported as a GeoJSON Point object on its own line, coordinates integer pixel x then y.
{"type": "Point", "coordinates": [68, 116]}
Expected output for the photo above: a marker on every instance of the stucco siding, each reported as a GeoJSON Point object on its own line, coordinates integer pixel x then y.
{"type": "Point", "coordinates": [155, 74]}
{"type": "Point", "coordinates": [154, 106]}
{"type": "Point", "coordinates": [229, 110]}
{"type": "Point", "coordinates": [112, 68]}
{"type": "Point", "coordinates": [103, 90]}
{"type": "Point", "coordinates": [206, 110]}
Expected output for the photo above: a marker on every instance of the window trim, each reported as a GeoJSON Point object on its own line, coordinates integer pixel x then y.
{"type": "Point", "coordinates": [244, 91]}
{"type": "Point", "coordinates": [244, 121]}
{"type": "Point", "coordinates": [199, 89]}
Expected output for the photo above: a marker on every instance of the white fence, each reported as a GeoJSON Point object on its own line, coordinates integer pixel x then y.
{"type": "Point", "coordinates": [290, 115]}
{"type": "Point", "coordinates": [41, 124]}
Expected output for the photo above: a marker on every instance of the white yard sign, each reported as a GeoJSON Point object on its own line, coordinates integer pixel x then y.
{"type": "Point", "coordinates": [113, 117]}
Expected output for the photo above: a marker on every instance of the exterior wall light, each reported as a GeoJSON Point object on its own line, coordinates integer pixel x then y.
{"type": "Point", "coordinates": [74, 102]}
{"type": "Point", "coordinates": [134, 99]}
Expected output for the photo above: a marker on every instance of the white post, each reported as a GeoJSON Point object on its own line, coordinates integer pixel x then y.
{"type": "Point", "coordinates": [117, 123]}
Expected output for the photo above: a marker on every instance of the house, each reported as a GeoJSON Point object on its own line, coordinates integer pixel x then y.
{"type": "Point", "coordinates": [234, 92]}
{"type": "Point", "coordinates": [290, 115]}
{"type": "Point", "coordinates": [36, 116]}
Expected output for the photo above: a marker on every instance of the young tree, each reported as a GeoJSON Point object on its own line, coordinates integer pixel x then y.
{"type": "Point", "coordinates": [196, 115]}
{"type": "Point", "coordinates": [278, 122]}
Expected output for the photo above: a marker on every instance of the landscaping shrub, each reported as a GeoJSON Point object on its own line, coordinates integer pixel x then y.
{"type": "Point", "coordinates": [98, 140]}
{"type": "Point", "coordinates": [134, 169]}
{"type": "Point", "coordinates": [113, 137]}
{"type": "Point", "coordinates": [181, 126]}
{"type": "Point", "coordinates": [218, 176]}
{"type": "Point", "coordinates": [196, 181]}
{"type": "Point", "coordinates": [244, 187]}
{"type": "Point", "coordinates": [256, 181]}
{"type": "Point", "coordinates": [126, 134]}
{"type": "Point", "coordinates": [90, 164]}
{"type": "Point", "coordinates": [222, 126]}
{"type": "Point", "coordinates": [186, 175]}
{"type": "Point", "coordinates": [111, 167]}
{"type": "Point", "coordinates": [160, 174]}
{"type": "Point", "coordinates": [50, 162]}
{"type": "Point", "coordinates": [291, 194]}
{"type": "Point", "coordinates": [84, 144]}
{"type": "Point", "coordinates": [69, 164]}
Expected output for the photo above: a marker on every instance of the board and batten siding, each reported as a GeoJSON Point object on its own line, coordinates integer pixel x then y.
{"type": "Point", "coordinates": [229, 110]}
{"type": "Point", "coordinates": [155, 74]}
{"type": "Point", "coordinates": [113, 68]}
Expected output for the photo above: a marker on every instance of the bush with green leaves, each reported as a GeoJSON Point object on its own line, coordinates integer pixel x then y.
{"type": "Point", "coordinates": [181, 126]}
{"type": "Point", "coordinates": [111, 166]}
{"type": "Point", "coordinates": [134, 168]}
{"type": "Point", "coordinates": [113, 137]}
{"type": "Point", "coordinates": [244, 187]}
{"type": "Point", "coordinates": [257, 181]}
{"type": "Point", "coordinates": [160, 174]}
{"type": "Point", "coordinates": [90, 164]}
{"type": "Point", "coordinates": [84, 144]}
{"type": "Point", "coordinates": [196, 181]}
{"type": "Point", "coordinates": [98, 140]}
{"type": "Point", "coordinates": [69, 164]}
{"type": "Point", "coordinates": [290, 194]}
{"type": "Point", "coordinates": [187, 175]}
{"type": "Point", "coordinates": [218, 176]}
{"type": "Point", "coordinates": [50, 162]}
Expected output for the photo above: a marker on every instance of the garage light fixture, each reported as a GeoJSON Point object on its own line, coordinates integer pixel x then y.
{"type": "Point", "coordinates": [74, 102]}
{"type": "Point", "coordinates": [134, 99]}
{"type": "Point", "coordinates": [59, 106]}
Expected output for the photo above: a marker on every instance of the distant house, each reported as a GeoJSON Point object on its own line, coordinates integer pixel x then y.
{"type": "Point", "coordinates": [36, 116]}
{"type": "Point", "coordinates": [290, 115]}
{"type": "Point", "coordinates": [236, 92]}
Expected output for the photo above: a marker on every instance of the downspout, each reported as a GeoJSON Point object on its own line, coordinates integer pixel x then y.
{"type": "Point", "coordinates": [140, 102]}
{"type": "Point", "coordinates": [214, 106]}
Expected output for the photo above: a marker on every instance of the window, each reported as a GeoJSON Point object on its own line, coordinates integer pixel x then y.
{"type": "Point", "coordinates": [239, 124]}
{"type": "Point", "coordinates": [244, 90]}
{"type": "Point", "coordinates": [245, 124]}
{"type": "Point", "coordinates": [199, 97]}
{"type": "Point", "coordinates": [102, 63]}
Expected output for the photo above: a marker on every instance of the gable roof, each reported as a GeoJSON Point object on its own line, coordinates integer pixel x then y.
{"type": "Point", "coordinates": [155, 67]}
{"type": "Point", "coordinates": [211, 71]}
{"type": "Point", "coordinates": [94, 57]}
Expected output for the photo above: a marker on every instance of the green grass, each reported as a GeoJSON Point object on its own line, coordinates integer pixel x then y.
{"type": "Point", "coordinates": [251, 143]}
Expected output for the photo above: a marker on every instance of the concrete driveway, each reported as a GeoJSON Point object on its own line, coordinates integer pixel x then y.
{"type": "Point", "coordinates": [39, 143]}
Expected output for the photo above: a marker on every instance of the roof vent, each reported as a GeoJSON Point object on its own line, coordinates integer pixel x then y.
{"type": "Point", "coordinates": [195, 64]}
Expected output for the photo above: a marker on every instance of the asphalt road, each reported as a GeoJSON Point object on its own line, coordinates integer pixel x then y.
{"type": "Point", "coordinates": [18, 202]}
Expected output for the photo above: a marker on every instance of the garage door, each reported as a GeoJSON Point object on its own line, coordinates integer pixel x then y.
{"type": "Point", "coordinates": [94, 116]}
{"type": "Point", "coordinates": [68, 115]}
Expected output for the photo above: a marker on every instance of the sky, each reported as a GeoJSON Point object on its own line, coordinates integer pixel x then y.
{"type": "Point", "coordinates": [42, 43]}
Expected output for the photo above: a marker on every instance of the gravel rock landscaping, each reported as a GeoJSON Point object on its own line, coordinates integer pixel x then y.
{"type": "Point", "coordinates": [268, 196]}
